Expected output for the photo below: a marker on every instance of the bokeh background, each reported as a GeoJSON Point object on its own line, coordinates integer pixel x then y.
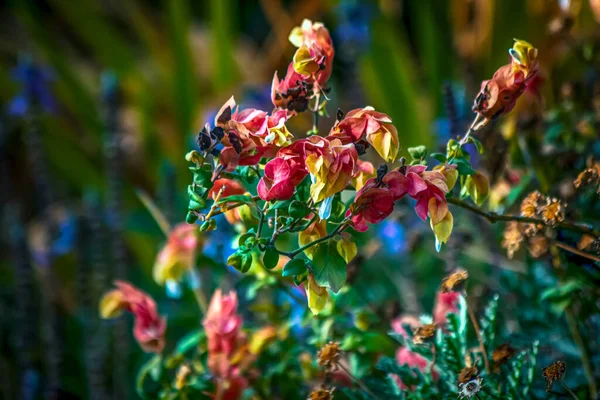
{"type": "Point", "coordinates": [102, 99]}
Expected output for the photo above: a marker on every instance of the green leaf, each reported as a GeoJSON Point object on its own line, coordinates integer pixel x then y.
{"type": "Point", "coordinates": [477, 144]}
{"type": "Point", "coordinates": [329, 268]}
{"type": "Point", "coordinates": [236, 199]}
{"type": "Point", "coordinates": [147, 370]}
{"type": "Point", "coordinates": [439, 157]}
{"type": "Point", "coordinates": [270, 258]}
{"type": "Point", "coordinates": [530, 372]}
{"type": "Point", "coordinates": [418, 152]}
{"type": "Point", "coordinates": [463, 166]}
{"type": "Point", "coordinates": [189, 342]}
{"type": "Point", "coordinates": [295, 266]}
{"type": "Point", "coordinates": [488, 325]}
{"type": "Point", "coordinates": [298, 209]}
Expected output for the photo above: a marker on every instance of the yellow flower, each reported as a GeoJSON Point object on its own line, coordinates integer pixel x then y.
{"type": "Point", "coordinates": [316, 230]}
{"type": "Point", "coordinates": [317, 296]}
{"type": "Point", "coordinates": [112, 304]}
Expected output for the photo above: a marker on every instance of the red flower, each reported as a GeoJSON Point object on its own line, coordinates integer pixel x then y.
{"type": "Point", "coordinates": [375, 200]}
{"type": "Point", "coordinates": [279, 180]}
{"type": "Point", "coordinates": [149, 327]}
{"type": "Point", "coordinates": [229, 186]}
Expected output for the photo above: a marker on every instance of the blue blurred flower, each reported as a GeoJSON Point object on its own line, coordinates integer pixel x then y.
{"type": "Point", "coordinates": [35, 88]}
{"type": "Point", "coordinates": [352, 31]}
{"type": "Point", "coordinates": [393, 237]}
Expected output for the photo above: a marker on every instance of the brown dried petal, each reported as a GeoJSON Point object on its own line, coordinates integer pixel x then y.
{"type": "Point", "coordinates": [321, 394]}
{"type": "Point", "coordinates": [454, 282]}
{"type": "Point", "coordinates": [586, 242]}
{"type": "Point", "coordinates": [538, 246]}
{"type": "Point", "coordinates": [553, 373]}
{"type": "Point", "coordinates": [531, 203]}
{"type": "Point", "coordinates": [513, 237]}
{"type": "Point", "coordinates": [424, 333]}
{"type": "Point", "coordinates": [553, 212]}
{"type": "Point", "coordinates": [329, 355]}
{"type": "Point", "coordinates": [502, 354]}
{"type": "Point", "coordinates": [466, 374]}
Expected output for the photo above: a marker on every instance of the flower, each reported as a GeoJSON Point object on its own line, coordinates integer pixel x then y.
{"type": "Point", "coordinates": [317, 296]}
{"type": "Point", "coordinates": [554, 372]}
{"type": "Point", "coordinates": [329, 355]}
{"type": "Point", "coordinates": [292, 92]}
{"type": "Point", "coordinates": [222, 324]}
{"type": "Point", "coordinates": [315, 53]}
{"type": "Point", "coordinates": [315, 231]}
{"type": "Point", "coordinates": [279, 180]}
{"type": "Point", "coordinates": [149, 327]}
{"type": "Point", "coordinates": [229, 186]}
{"type": "Point", "coordinates": [226, 344]}
{"type": "Point", "coordinates": [374, 126]}
{"type": "Point", "coordinates": [332, 170]}
{"type": "Point", "coordinates": [177, 256]}
{"type": "Point", "coordinates": [249, 134]}
{"type": "Point", "coordinates": [375, 200]}
{"type": "Point", "coordinates": [445, 303]}
{"type": "Point", "coordinates": [414, 360]}
{"type": "Point", "coordinates": [499, 95]}
{"type": "Point", "coordinates": [364, 171]}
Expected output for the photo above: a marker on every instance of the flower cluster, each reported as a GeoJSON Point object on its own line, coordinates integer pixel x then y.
{"type": "Point", "coordinates": [149, 327]}
{"type": "Point", "coordinates": [310, 69]}
{"type": "Point", "coordinates": [500, 94]}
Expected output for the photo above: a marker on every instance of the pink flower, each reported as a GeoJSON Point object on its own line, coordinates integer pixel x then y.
{"type": "Point", "coordinates": [279, 180]}
{"type": "Point", "coordinates": [375, 200]}
{"type": "Point", "coordinates": [222, 323]}
{"type": "Point", "coordinates": [149, 327]}
{"type": "Point", "coordinates": [315, 38]}
{"type": "Point", "coordinates": [375, 127]}
{"type": "Point", "coordinates": [177, 256]}
{"type": "Point", "coordinates": [445, 303]}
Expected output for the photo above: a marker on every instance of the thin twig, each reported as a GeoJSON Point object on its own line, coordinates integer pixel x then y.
{"type": "Point", "coordinates": [573, 250]}
{"type": "Point", "coordinates": [486, 362]}
{"type": "Point", "coordinates": [493, 217]}
{"type": "Point", "coordinates": [585, 357]}
{"type": "Point", "coordinates": [357, 381]}
{"type": "Point", "coordinates": [569, 390]}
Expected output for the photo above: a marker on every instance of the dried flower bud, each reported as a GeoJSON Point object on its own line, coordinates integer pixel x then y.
{"type": "Point", "coordinates": [554, 372]}
{"type": "Point", "coordinates": [553, 212]}
{"type": "Point", "coordinates": [467, 374]}
{"type": "Point", "coordinates": [424, 333]}
{"type": "Point", "coordinates": [530, 206]}
{"type": "Point", "coordinates": [587, 177]}
{"type": "Point", "coordinates": [321, 394]}
{"type": "Point", "coordinates": [454, 282]}
{"type": "Point", "coordinates": [513, 237]}
{"type": "Point", "coordinates": [329, 355]}
{"type": "Point", "coordinates": [586, 242]}
{"type": "Point", "coordinates": [538, 246]}
{"type": "Point", "coordinates": [502, 354]}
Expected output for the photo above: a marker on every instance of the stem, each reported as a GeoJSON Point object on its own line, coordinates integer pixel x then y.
{"type": "Point", "coordinates": [357, 381]}
{"type": "Point", "coordinates": [486, 362]}
{"type": "Point", "coordinates": [576, 251]}
{"type": "Point", "coordinates": [262, 220]}
{"type": "Point", "coordinates": [337, 230]}
{"type": "Point", "coordinates": [158, 216]}
{"type": "Point", "coordinates": [433, 358]}
{"type": "Point", "coordinates": [569, 390]}
{"type": "Point", "coordinates": [315, 112]}
{"type": "Point", "coordinates": [585, 358]}
{"type": "Point", "coordinates": [492, 217]}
